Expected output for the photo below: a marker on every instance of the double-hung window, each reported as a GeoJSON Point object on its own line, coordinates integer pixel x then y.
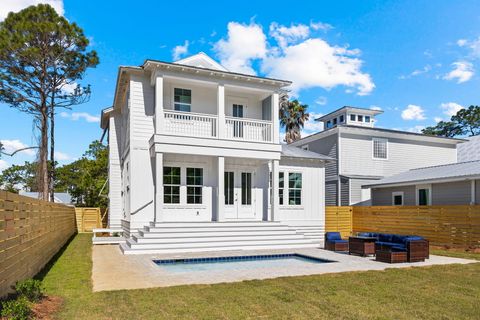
{"type": "Point", "coordinates": [353, 117]}
{"type": "Point", "coordinates": [281, 186]}
{"type": "Point", "coordinates": [294, 188]}
{"type": "Point", "coordinates": [360, 118]}
{"type": "Point", "coordinates": [367, 119]}
{"type": "Point", "coordinates": [341, 119]}
{"type": "Point", "coordinates": [380, 148]}
{"type": "Point", "coordinates": [171, 184]}
{"type": "Point", "coordinates": [194, 185]}
{"type": "Point", "coordinates": [182, 99]}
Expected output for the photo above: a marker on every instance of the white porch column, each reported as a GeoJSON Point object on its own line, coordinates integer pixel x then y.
{"type": "Point", "coordinates": [473, 192]}
{"type": "Point", "coordinates": [221, 111]}
{"type": "Point", "coordinates": [275, 123]}
{"type": "Point", "coordinates": [158, 187]}
{"type": "Point", "coordinates": [220, 199]}
{"type": "Point", "coordinates": [159, 117]}
{"type": "Point", "coordinates": [274, 206]}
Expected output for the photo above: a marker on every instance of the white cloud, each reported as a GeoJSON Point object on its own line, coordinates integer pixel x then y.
{"type": "Point", "coordinates": [11, 146]}
{"type": "Point", "coordinates": [320, 26]}
{"type": "Point", "coordinates": [244, 43]}
{"type": "Point", "coordinates": [472, 45]}
{"type": "Point", "coordinates": [321, 101]}
{"type": "Point", "coordinates": [3, 165]}
{"type": "Point", "coordinates": [312, 126]}
{"type": "Point", "coordinates": [377, 108]}
{"type": "Point", "coordinates": [314, 63]}
{"type": "Point", "coordinates": [69, 88]}
{"type": "Point", "coordinates": [413, 112]}
{"type": "Point", "coordinates": [438, 119]}
{"type": "Point", "coordinates": [180, 50]}
{"type": "Point", "coordinates": [450, 108]}
{"type": "Point", "coordinates": [17, 5]}
{"type": "Point", "coordinates": [286, 35]}
{"type": "Point", "coordinates": [416, 129]}
{"type": "Point", "coordinates": [462, 42]}
{"type": "Point", "coordinates": [60, 156]}
{"type": "Point", "coordinates": [462, 72]}
{"type": "Point", "coordinates": [75, 116]}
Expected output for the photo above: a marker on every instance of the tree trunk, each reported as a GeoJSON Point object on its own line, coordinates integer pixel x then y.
{"type": "Point", "coordinates": [52, 148]}
{"type": "Point", "coordinates": [44, 154]}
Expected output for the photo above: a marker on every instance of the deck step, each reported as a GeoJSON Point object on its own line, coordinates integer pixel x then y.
{"type": "Point", "coordinates": [214, 229]}
{"type": "Point", "coordinates": [195, 239]}
{"type": "Point", "coordinates": [220, 233]}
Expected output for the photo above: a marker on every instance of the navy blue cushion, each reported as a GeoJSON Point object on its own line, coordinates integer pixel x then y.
{"type": "Point", "coordinates": [399, 249]}
{"type": "Point", "coordinates": [338, 241]}
{"type": "Point", "coordinates": [333, 236]}
{"type": "Point", "coordinates": [411, 238]}
{"type": "Point", "coordinates": [364, 234]}
{"type": "Point", "coordinates": [398, 238]}
{"type": "Point", "coordinates": [385, 237]}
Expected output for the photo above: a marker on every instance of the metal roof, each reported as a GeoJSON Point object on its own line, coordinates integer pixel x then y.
{"type": "Point", "coordinates": [448, 172]}
{"type": "Point", "coordinates": [294, 152]}
{"type": "Point", "coordinates": [470, 150]}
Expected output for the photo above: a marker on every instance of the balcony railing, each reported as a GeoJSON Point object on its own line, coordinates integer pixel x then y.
{"type": "Point", "coordinates": [248, 129]}
{"type": "Point", "coordinates": [190, 124]}
{"type": "Point", "coordinates": [204, 125]}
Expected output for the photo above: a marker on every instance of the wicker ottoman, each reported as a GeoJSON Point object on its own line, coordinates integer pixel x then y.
{"type": "Point", "coordinates": [390, 256]}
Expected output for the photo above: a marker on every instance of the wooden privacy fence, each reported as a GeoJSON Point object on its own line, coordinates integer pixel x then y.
{"type": "Point", "coordinates": [31, 233]}
{"type": "Point", "coordinates": [88, 219]}
{"type": "Point", "coordinates": [455, 225]}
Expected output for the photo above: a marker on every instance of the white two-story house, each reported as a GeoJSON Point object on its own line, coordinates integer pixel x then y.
{"type": "Point", "coordinates": [195, 162]}
{"type": "Point", "coordinates": [366, 154]}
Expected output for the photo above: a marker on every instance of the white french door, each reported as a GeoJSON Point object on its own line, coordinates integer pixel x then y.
{"type": "Point", "coordinates": [239, 196]}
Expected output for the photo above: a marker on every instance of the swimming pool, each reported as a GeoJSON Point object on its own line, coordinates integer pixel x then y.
{"type": "Point", "coordinates": [289, 260]}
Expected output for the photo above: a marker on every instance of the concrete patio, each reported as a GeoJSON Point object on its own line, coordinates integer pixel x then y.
{"type": "Point", "coordinates": [114, 271]}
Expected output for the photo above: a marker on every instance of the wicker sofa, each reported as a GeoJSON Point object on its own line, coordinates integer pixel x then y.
{"type": "Point", "coordinates": [417, 247]}
{"type": "Point", "coordinates": [334, 242]}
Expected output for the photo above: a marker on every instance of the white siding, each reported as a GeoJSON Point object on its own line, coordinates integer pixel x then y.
{"type": "Point", "coordinates": [114, 173]}
{"type": "Point", "coordinates": [356, 156]}
{"type": "Point", "coordinates": [141, 109]}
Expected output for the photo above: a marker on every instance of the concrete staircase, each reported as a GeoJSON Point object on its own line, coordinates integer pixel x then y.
{"type": "Point", "coordinates": [177, 237]}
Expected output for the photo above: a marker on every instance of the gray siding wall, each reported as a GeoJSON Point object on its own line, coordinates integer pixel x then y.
{"type": "Point", "coordinates": [451, 193]}
{"type": "Point", "coordinates": [477, 191]}
{"type": "Point", "coordinates": [356, 191]}
{"type": "Point", "coordinates": [331, 193]}
{"type": "Point", "coordinates": [345, 191]}
{"type": "Point", "coordinates": [326, 146]}
{"type": "Point", "coordinates": [356, 155]}
{"type": "Point", "coordinates": [383, 196]}
{"type": "Point", "coordinates": [469, 151]}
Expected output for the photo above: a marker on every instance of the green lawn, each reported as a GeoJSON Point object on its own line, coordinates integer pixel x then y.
{"type": "Point", "coordinates": [440, 292]}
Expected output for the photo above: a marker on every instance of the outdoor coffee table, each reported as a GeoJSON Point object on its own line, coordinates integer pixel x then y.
{"type": "Point", "coordinates": [363, 246]}
{"type": "Point", "coordinates": [390, 256]}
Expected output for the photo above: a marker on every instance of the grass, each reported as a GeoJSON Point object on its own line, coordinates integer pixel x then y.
{"type": "Point", "coordinates": [438, 292]}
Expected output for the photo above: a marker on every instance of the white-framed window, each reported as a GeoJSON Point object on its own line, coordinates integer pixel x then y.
{"type": "Point", "coordinates": [398, 198]}
{"type": "Point", "coordinates": [379, 148]}
{"type": "Point", "coordinates": [360, 118]}
{"type": "Point", "coordinates": [341, 118]}
{"type": "Point", "coordinates": [281, 186]}
{"type": "Point", "coordinates": [194, 185]}
{"type": "Point", "coordinates": [182, 99]}
{"type": "Point", "coordinates": [294, 188]}
{"type": "Point", "coordinates": [329, 124]}
{"type": "Point", "coordinates": [335, 121]}
{"type": "Point", "coordinates": [353, 117]}
{"type": "Point", "coordinates": [367, 119]}
{"type": "Point", "coordinates": [171, 185]}
{"type": "Point", "coordinates": [423, 195]}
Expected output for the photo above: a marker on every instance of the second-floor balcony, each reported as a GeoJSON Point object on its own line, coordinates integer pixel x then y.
{"type": "Point", "coordinates": [210, 126]}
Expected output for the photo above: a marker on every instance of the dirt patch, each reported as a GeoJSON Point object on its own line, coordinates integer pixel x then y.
{"type": "Point", "coordinates": [47, 307]}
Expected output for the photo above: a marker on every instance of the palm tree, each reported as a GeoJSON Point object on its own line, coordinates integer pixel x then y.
{"type": "Point", "coordinates": [293, 116]}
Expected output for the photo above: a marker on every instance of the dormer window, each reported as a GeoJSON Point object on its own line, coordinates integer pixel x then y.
{"type": "Point", "coordinates": [353, 118]}
{"type": "Point", "coordinates": [182, 99]}
{"type": "Point", "coordinates": [360, 118]}
{"type": "Point", "coordinates": [367, 119]}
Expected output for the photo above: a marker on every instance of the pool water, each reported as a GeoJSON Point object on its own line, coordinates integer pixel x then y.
{"type": "Point", "coordinates": [238, 262]}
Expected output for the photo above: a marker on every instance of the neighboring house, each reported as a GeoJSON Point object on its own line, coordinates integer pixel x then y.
{"type": "Point", "coordinates": [59, 197]}
{"type": "Point", "coordinates": [365, 154]}
{"type": "Point", "coordinates": [451, 184]}
{"type": "Point", "coordinates": [194, 149]}
{"type": "Point", "coordinates": [470, 150]}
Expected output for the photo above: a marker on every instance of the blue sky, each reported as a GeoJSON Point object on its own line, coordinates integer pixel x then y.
{"type": "Point", "coordinates": [416, 60]}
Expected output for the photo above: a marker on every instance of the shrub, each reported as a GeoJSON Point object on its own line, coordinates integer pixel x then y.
{"type": "Point", "coordinates": [30, 289]}
{"type": "Point", "coordinates": [18, 309]}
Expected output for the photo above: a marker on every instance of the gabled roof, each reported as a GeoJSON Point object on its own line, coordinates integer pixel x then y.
{"type": "Point", "coordinates": [443, 173]}
{"type": "Point", "coordinates": [201, 60]}
{"type": "Point", "coordinates": [349, 109]}
{"type": "Point", "coordinates": [290, 151]}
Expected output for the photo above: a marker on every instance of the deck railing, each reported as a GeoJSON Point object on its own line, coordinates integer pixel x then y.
{"type": "Point", "coordinates": [248, 129]}
{"type": "Point", "coordinates": [190, 124]}
{"type": "Point", "coordinates": [205, 125]}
